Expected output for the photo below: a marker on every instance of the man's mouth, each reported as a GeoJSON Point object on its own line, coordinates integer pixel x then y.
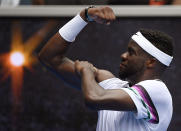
{"type": "Point", "coordinates": [122, 65]}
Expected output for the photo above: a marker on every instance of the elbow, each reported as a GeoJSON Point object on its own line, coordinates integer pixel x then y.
{"type": "Point", "coordinates": [42, 57]}
{"type": "Point", "coordinates": [41, 54]}
{"type": "Point", "coordinates": [92, 100]}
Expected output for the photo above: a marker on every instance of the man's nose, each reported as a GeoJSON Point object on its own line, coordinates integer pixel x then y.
{"type": "Point", "coordinates": [124, 56]}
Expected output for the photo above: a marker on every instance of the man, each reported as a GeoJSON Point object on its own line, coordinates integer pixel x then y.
{"type": "Point", "coordinates": [142, 102]}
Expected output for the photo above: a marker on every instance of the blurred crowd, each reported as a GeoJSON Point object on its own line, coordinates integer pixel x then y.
{"type": "Point", "coordinates": [88, 2]}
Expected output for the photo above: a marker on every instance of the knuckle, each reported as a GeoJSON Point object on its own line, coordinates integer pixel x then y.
{"type": "Point", "coordinates": [107, 7]}
{"type": "Point", "coordinates": [96, 11]}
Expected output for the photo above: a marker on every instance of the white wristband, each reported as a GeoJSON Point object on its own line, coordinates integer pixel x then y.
{"type": "Point", "coordinates": [70, 30]}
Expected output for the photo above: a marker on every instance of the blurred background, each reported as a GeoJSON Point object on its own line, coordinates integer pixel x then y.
{"type": "Point", "coordinates": [34, 98]}
{"type": "Point", "coordinates": [88, 2]}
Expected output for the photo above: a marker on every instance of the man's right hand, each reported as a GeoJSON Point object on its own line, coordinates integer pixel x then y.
{"type": "Point", "coordinates": [102, 15]}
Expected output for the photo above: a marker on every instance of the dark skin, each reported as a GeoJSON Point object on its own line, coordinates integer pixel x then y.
{"type": "Point", "coordinates": [176, 2]}
{"type": "Point", "coordinates": [84, 74]}
{"type": "Point", "coordinates": [137, 65]}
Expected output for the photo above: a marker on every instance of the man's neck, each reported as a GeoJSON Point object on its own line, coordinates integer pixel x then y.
{"type": "Point", "coordinates": [141, 77]}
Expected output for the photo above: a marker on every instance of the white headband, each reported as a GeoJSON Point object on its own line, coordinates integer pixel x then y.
{"type": "Point", "coordinates": [151, 49]}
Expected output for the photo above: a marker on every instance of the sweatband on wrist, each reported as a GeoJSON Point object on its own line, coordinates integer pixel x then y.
{"type": "Point", "coordinates": [71, 29]}
{"type": "Point", "coordinates": [151, 49]}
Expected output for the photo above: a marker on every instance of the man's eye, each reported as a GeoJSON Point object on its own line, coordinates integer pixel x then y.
{"type": "Point", "coordinates": [131, 52]}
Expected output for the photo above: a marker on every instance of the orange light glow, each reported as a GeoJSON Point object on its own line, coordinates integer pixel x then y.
{"type": "Point", "coordinates": [21, 56]}
{"type": "Point", "coordinates": [17, 59]}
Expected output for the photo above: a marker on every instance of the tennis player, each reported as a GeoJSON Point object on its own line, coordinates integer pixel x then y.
{"type": "Point", "coordinates": [137, 101]}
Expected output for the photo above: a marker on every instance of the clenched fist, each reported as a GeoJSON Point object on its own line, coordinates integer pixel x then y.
{"type": "Point", "coordinates": [103, 15]}
{"type": "Point", "coordinates": [84, 65]}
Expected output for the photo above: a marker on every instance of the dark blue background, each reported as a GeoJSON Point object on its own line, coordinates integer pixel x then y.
{"type": "Point", "coordinates": [48, 104]}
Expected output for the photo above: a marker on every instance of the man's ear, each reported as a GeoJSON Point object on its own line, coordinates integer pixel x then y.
{"type": "Point", "coordinates": [151, 62]}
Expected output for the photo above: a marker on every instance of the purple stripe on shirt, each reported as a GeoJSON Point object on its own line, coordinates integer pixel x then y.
{"type": "Point", "coordinates": [148, 101]}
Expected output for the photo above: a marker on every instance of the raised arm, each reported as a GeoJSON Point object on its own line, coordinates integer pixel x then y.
{"type": "Point", "coordinates": [53, 53]}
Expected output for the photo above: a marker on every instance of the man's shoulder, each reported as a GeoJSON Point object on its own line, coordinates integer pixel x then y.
{"type": "Point", "coordinates": [155, 83]}
{"type": "Point", "coordinates": [157, 94]}
{"type": "Point", "coordinates": [155, 89]}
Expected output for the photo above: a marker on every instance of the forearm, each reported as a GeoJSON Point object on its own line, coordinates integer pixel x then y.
{"type": "Point", "coordinates": [92, 92]}
{"type": "Point", "coordinates": [100, 99]}
{"type": "Point", "coordinates": [57, 46]}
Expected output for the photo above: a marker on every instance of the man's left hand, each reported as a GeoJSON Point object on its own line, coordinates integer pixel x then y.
{"type": "Point", "coordinates": [84, 65]}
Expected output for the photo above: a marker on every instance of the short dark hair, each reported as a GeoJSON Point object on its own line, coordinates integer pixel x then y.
{"type": "Point", "coordinates": [159, 39]}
